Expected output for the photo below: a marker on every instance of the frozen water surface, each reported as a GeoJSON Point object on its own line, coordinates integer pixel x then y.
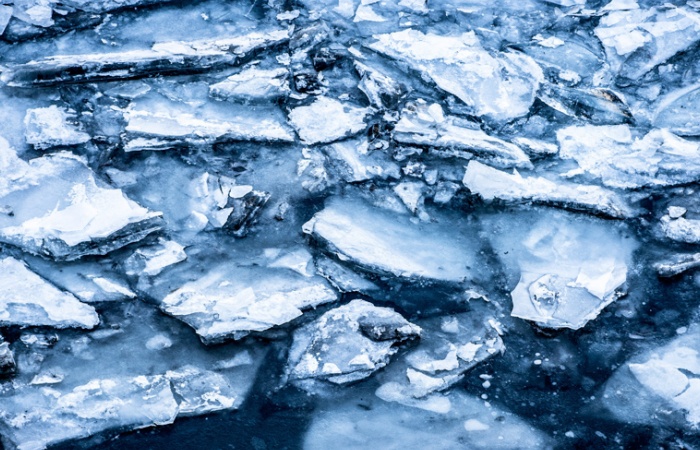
{"type": "Point", "coordinates": [349, 224]}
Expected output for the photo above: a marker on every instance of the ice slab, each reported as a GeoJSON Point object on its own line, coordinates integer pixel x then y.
{"type": "Point", "coordinates": [28, 300]}
{"type": "Point", "coordinates": [426, 125]}
{"type": "Point", "coordinates": [327, 120]}
{"type": "Point", "coordinates": [163, 58]}
{"type": "Point", "coordinates": [230, 302]}
{"type": "Point", "coordinates": [381, 90]}
{"type": "Point", "coordinates": [678, 111]}
{"type": "Point", "coordinates": [681, 229]}
{"type": "Point", "coordinates": [7, 359]}
{"type": "Point", "coordinates": [346, 344]}
{"type": "Point", "coordinates": [499, 87]}
{"type": "Point", "coordinates": [5, 16]}
{"type": "Point", "coordinates": [389, 243]}
{"type": "Point", "coordinates": [493, 184]}
{"type": "Point", "coordinates": [153, 259]}
{"type": "Point", "coordinates": [59, 209]}
{"type": "Point", "coordinates": [566, 269]}
{"type": "Point", "coordinates": [677, 264]}
{"type": "Point", "coordinates": [611, 153]}
{"type": "Point", "coordinates": [598, 106]}
{"type": "Point", "coordinates": [253, 84]}
{"type": "Point", "coordinates": [455, 421]}
{"type": "Point", "coordinates": [353, 161]}
{"type": "Point", "coordinates": [53, 127]}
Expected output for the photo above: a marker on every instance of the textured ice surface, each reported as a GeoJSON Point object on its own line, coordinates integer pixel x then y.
{"type": "Point", "coordinates": [52, 127]}
{"type": "Point", "coordinates": [327, 120]}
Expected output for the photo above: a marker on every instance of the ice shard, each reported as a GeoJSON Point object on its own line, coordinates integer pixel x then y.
{"type": "Point", "coordinates": [52, 127]}
{"type": "Point", "coordinates": [253, 85]}
{"type": "Point", "coordinates": [327, 120]}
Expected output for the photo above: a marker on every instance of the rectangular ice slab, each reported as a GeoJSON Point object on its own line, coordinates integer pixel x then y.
{"type": "Point", "coordinates": [55, 206]}
{"type": "Point", "coordinates": [52, 127]}
{"type": "Point", "coordinates": [493, 184]}
{"type": "Point", "coordinates": [230, 302]}
{"type": "Point", "coordinates": [164, 58]}
{"type": "Point", "coordinates": [390, 243]}
{"type": "Point", "coordinates": [499, 87]}
{"type": "Point", "coordinates": [28, 300]}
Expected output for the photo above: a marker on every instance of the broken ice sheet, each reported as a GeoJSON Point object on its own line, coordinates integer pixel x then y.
{"type": "Point", "coordinates": [353, 161]}
{"type": "Point", "coordinates": [383, 242]}
{"type": "Point", "coordinates": [163, 58]}
{"type": "Point", "coordinates": [659, 385]}
{"type": "Point", "coordinates": [52, 127]}
{"type": "Point", "coordinates": [566, 269]}
{"type": "Point", "coordinates": [637, 40]}
{"type": "Point", "coordinates": [327, 120]}
{"type": "Point", "coordinates": [598, 106]}
{"type": "Point", "coordinates": [59, 209]}
{"type": "Point", "coordinates": [28, 300]}
{"type": "Point", "coordinates": [492, 184]}
{"type": "Point", "coordinates": [499, 87]}
{"type": "Point", "coordinates": [612, 154]}
{"type": "Point", "coordinates": [450, 136]}
{"type": "Point", "coordinates": [253, 84]}
{"type": "Point", "coordinates": [453, 421]}
{"type": "Point", "coordinates": [450, 345]}
{"type": "Point", "coordinates": [346, 344]}
{"type": "Point", "coordinates": [230, 301]}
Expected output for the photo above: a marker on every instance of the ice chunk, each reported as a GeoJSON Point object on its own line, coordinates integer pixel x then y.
{"type": "Point", "coordinates": [663, 380]}
{"type": "Point", "coordinates": [500, 87]}
{"type": "Point", "coordinates": [230, 302]}
{"type": "Point", "coordinates": [353, 161]}
{"type": "Point", "coordinates": [426, 125]}
{"type": "Point", "coordinates": [535, 147]}
{"type": "Point", "coordinates": [149, 130]}
{"type": "Point", "coordinates": [567, 269]}
{"type": "Point", "coordinates": [28, 300]}
{"type": "Point", "coordinates": [253, 84]}
{"type": "Point", "coordinates": [678, 111]}
{"type": "Point", "coordinates": [677, 264]}
{"type": "Point", "coordinates": [152, 260]}
{"type": "Point", "coordinates": [327, 120]}
{"type": "Point", "coordinates": [391, 244]}
{"type": "Point", "coordinates": [52, 127]}
{"type": "Point", "coordinates": [381, 90]}
{"type": "Point", "coordinates": [7, 359]}
{"type": "Point", "coordinates": [5, 15]}
{"type": "Point", "coordinates": [346, 344]}
{"type": "Point", "coordinates": [164, 58]}
{"type": "Point", "coordinates": [611, 154]}
{"type": "Point", "coordinates": [492, 184]}
{"type": "Point", "coordinates": [59, 208]}
{"type": "Point", "coordinates": [599, 106]}
{"type": "Point", "coordinates": [342, 278]}
{"type": "Point", "coordinates": [637, 40]}
{"type": "Point", "coordinates": [449, 347]}
{"type": "Point", "coordinates": [681, 229]}
{"type": "Point", "coordinates": [350, 424]}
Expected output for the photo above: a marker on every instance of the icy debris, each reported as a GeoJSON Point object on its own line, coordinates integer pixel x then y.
{"type": "Point", "coordinates": [455, 421]}
{"type": "Point", "coordinates": [426, 125]}
{"type": "Point", "coordinates": [148, 130]}
{"type": "Point", "coordinates": [60, 209]}
{"type": "Point", "coordinates": [327, 120]}
{"type": "Point", "coordinates": [681, 229]}
{"type": "Point", "coordinates": [567, 269]}
{"type": "Point", "coordinates": [677, 264]}
{"type": "Point", "coordinates": [598, 106]}
{"type": "Point", "coordinates": [153, 259]}
{"type": "Point", "coordinates": [610, 153]}
{"type": "Point", "coordinates": [354, 162]}
{"type": "Point", "coordinates": [389, 243]}
{"type": "Point", "coordinates": [637, 40]}
{"type": "Point", "coordinates": [164, 58]}
{"type": "Point", "coordinates": [253, 84]}
{"type": "Point", "coordinates": [449, 347]}
{"type": "Point", "coordinates": [28, 300]}
{"type": "Point", "coordinates": [381, 90]}
{"type": "Point", "coordinates": [52, 127]}
{"type": "Point", "coordinates": [7, 359]}
{"type": "Point", "coordinates": [499, 87]}
{"type": "Point", "coordinates": [493, 184]}
{"type": "Point", "coordinates": [230, 302]}
{"type": "Point", "coordinates": [662, 384]}
{"type": "Point", "coordinates": [678, 111]}
{"type": "Point", "coordinates": [347, 344]}
{"type": "Point", "coordinates": [218, 202]}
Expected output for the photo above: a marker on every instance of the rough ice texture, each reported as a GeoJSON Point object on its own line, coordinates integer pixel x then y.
{"type": "Point", "coordinates": [253, 84]}
{"type": "Point", "coordinates": [427, 125]}
{"type": "Point", "coordinates": [230, 302]}
{"type": "Point", "coordinates": [347, 344]}
{"type": "Point", "coordinates": [499, 87]}
{"type": "Point", "coordinates": [327, 120]}
{"type": "Point", "coordinates": [52, 127]}
{"type": "Point", "coordinates": [388, 243]}
{"type": "Point", "coordinates": [60, 210]}
{"type": "Point", "coordinates": [493, 184]}
{"type": "Point", "coordinates": [611, 154]}
{"type": "Point", "coordinates": [28, 300]}
{"type": "Point", "coordinates": [681, 229]}
{"type": "Point", "coordinates": [152, 260]}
